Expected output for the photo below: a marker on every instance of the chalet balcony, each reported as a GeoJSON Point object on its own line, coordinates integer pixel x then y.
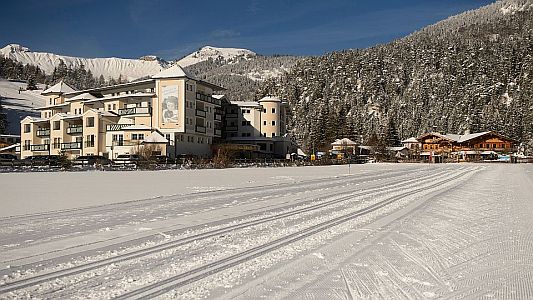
{"type": "Point", "coordinates": [40, 147]}
{"type": "Point", "coordinates": [218, 117]}
{"type": "Point", "coordinates": [200, 129]}
{"type": "Point", "coordinates": [135, 111]}
{"type": "Point", "coordinates": [218, 132]}
{"type": "Point", "coordinates": [200, 113]}
{"type": "Point", "coordinates": [116, 127]}
{"type": "Point", "coordinates": [71, 146]}
{"type": "Point", "coordinates": [43, 132]}
{"type": "Point", "coordinates": [76, 129]}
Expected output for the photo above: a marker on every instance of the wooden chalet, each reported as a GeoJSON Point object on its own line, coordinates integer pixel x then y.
{"type": "Point", "coordinates": [467, 147]}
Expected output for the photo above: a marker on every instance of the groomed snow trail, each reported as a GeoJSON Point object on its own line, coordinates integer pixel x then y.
{"type": "Point", "coordinates": [394, 231]}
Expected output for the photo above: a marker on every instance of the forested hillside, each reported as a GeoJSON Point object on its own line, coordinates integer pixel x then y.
{"type": "Point", "coordinates": [240, 76]}
{"type": "Point", "coordinates": [469, 72]}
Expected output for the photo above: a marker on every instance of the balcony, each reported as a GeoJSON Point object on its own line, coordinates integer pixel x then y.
{"type": "Point", "coordinates": [40, 147]}
{"type": "Point", "coordinates": [75, 129]}
{"type": "Point", "coordinates": [232, 128]}
{"type": "Point", "coordinates": [135, 111]}
{"type": "Point", "coordinates": [207, 98]}
{"type": "Point", "coordinates": [71, 146]}
{"type": "Point", "coordinates": [116, 127]}
{"type": "Point", "coordinates": [200, 129]}
{"type": "Point", "coordinates": [43, 132]}
{"type": "Point", "coordinates": [218, 132]}
{"type": "Point", "coordinates": [231, 115]}
{"type": "Point", "coordinates": [200, 113]}
{"type": "Point", "coordinates": [218, 117]}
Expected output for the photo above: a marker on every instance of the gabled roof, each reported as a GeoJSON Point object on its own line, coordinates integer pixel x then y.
{"type": "Point", "coordinates": [84, 96]}
{"type": "Point", "coordinates": [155, 138]}
{"type": "Point", "coordinates": [59, 88]}
{"type": "Point", "coordinates": [344, 141]}
{"type": "Point", "coordinates": [173, 72]}
{"type": "Point", "coordinates": [449, 137]}
{"type": "Point", "coordinates": [466, 137]}
{"type": "Point", "coordinates": [411, 140]}
{"type": "Point", "coordinates": [461, 138]}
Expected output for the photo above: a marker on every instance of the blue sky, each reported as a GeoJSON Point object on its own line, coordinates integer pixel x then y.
{"type": "Point", "coordinates": [172, 29]}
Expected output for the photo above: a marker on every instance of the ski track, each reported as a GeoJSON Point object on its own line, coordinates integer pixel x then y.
{"type": "Point", "coordinates": [453, 231]}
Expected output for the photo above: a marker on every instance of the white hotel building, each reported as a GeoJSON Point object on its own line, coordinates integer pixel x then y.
{"type": "Point", "coordinates": [172, 112]}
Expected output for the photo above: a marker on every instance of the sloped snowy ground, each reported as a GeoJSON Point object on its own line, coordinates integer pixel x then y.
{"type": "Point", "coordinates": [18, 106]}
{"type": "Point", "coordinates": [384, 231]}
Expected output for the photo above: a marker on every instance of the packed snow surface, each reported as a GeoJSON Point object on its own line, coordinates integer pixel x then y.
{"type": "Point", "coordinates": [386, 231]}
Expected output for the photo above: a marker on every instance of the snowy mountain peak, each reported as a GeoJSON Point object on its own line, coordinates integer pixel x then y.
{"type": "Point", "coordinates": [12, 48]}
{"type": "Point", "coordinates": [210, 52]}
{"type": "Point", "coordinates": [129, 69]}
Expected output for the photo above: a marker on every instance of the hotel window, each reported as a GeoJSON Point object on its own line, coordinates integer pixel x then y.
{"type": "Point", "coordinates": [109, 107]}
{"type": "Point", "coordinates": [273, 123]}
{"type": "Point", "coordinates": [264, 123]}
{"type": "Point", "coordinates": [57, 125]}
{"type": "Point", "coordinates": [114, 106]}
{"type": "Point", "coordinates": [273, 110]}
{"type": "Point", "coordinates": [27, 128]}
{"type": "Point", "coordinates": [57, 143]}
{"type": "Point", "coordinates": [493, 145]}
{"type": "Point", "coordinates": [27, 144]}
{"type": "Point", "coordinates": [273, 134]}
{"type": "Point", "coordinates": [89, 140]}
{"type": "Point", "coordinates": [135, 136]}
{"type": "Point", "coordinates": [90, 122]}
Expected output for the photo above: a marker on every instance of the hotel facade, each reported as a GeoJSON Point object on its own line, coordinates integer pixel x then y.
{"type": "Point", "coordinates": [170, 114]}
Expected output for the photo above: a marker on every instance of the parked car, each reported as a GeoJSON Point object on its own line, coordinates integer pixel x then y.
{"type": "Point", "coordinates": [128, 159]}
{"type": "Point", "coordinates": [160, 159]}
{"type": "Point", "coordinates": [43, 160]}
{"type": "Point", "coordinates": [91, 160]}
{"type": "Point", "coordinates": [7, 159]}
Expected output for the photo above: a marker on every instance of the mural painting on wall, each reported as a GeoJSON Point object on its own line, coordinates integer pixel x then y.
{"type": "Point", "coordinates": [170, 104]}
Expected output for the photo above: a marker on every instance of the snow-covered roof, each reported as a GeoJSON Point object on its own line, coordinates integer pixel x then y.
{"type": "Point", "coordinates": [400, 148]}
{"type": "Point", "coordinates": [155, 138]}
{"type": "Point", "coordinates": [344, 141]}
{"type": "Point", "coordinates": [270, 99]}
{"type": "Point", "coordinates": [67, 116]}
{"type": "Point", "coordinates": [173, 72]}
{"type": "Point", "coordinates": [51, 106]}
{"type": "Point", "coordinates": [245, 103]}
{"type": "Point", "coordinates": [111, 87]}
{"type": "Point", "coordinates": [33, 119]}
{"type": "Point", "coordinates": [136, 95]}
{"type": "Point", "coordinates": [84, 96]}
{"type": "Point", "coordinates": [219, 97]}
{"type": "Point", "coordinates": [466, 137]}
{"type": "Point", "coordinates": [137, 127]}
{"type": "Point", "coordinates": [59, 88]}
{"type": "Point", "coordinates": [9, 147]}
{"type": "Point", "coordinates": [410, 140]}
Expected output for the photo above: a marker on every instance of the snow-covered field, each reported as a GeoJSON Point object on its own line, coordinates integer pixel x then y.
{"type": "Point", "coordinates": [393, 231]}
